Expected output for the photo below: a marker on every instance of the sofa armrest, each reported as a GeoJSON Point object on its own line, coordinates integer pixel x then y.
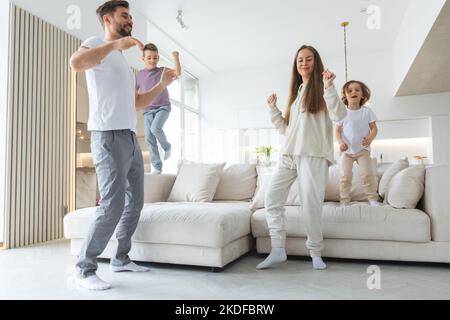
{"type": "Point", "coordinates": [157, 187]}
{"type": "Point", "coordinates": [436, 200]}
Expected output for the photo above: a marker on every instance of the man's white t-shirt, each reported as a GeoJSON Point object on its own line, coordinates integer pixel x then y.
{"type": "Point", "coordinates": [111, 87]}
{"type": "Point", "coordinates": [355, 126]}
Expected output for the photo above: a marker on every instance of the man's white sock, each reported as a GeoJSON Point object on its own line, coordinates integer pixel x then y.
{"type": "Point", "coordinates": [133, 267]}
{"type": "Point", "coordinates": [92, 283]}
{"type": "Point", "coordinates": [277, 255]}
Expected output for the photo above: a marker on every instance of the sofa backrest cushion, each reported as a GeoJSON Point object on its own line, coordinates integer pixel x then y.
{"type": "Point", "coordinates": [238, 182]}
{"type": "Point", "coordinates": [332, 189]}
{"type": "Point", "coordinates": [263, 180]}
{"type": "Point", "coordinates": [406, 188]}
{"type": "Point", "coordinates": [196, 182]}
{"type": "Point", "coordinates": [157, 187]}
{"type": "Point", "coordinates": [390, 172]}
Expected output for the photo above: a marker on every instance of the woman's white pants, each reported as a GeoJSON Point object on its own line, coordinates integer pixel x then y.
{"type": "Point", "coordinates": [313, 174]}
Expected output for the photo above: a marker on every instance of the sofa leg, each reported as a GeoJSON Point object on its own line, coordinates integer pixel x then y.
{"type": "Point", "coordinates": [215, 269]}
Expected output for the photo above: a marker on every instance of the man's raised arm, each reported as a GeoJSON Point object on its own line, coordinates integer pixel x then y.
{"type": "Point", "coordinates": [86, 58]}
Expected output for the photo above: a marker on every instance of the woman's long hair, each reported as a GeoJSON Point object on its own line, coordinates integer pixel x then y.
{"type": "Point", "coordinates": [313, 97]}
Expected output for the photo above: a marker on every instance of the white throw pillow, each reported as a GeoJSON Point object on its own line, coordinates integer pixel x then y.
{"type": "Point", "coordinates": [406, 188]}
{"type": "Point", "coordinates": [357, 192]}
{"type": "Point", "coordinates": [262, 183]}
{"type": "Point", "coordinates": [196, 182]}
{"type": "Point", "coordinates": [389, 174]}
{"type": "Point", "coordinates": [332, 188]}
{"type": "Point", "coordinates": [238, 182]}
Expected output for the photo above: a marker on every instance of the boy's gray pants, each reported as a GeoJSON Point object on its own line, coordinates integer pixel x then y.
{"type": "Point", "coordinates": [120, 174]}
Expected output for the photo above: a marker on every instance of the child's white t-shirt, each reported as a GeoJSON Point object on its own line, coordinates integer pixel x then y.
{"type": "Point", "coordinates": [355, 126]}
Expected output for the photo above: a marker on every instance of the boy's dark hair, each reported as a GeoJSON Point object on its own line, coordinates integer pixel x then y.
{"type": "Point", "coordinates": [110, 7]}
{"type": "Point", "coordinates": [364, 88]}
{"type": "Point", "coordinates": [150, 47]}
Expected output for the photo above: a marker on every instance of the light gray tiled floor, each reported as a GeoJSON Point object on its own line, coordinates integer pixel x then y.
{"type": "Point", "coordinates": [44, 272]}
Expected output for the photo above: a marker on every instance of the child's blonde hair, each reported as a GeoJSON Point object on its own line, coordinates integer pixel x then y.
{"type": "Point", "coordinates": [365, 92]}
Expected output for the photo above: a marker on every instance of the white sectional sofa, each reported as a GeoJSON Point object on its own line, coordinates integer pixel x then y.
{"type": "Point", "coordinates": [360, 231]}
{"type": "Point", "coordinates": [209, 234]}
{"type": "Point", "coordinates": [216, 232]}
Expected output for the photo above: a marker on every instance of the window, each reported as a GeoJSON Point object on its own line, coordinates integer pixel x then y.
{"type": "Point", "coordinates": [190, 91]}
{"type": "Point", "coordinates": [174, 90]}
{"type": "Point", "coordinates": [191, 136]}
{"type": "Point", "coordinates": [185, 125]}
{"type": "Point", "coordinates": [172, 128]}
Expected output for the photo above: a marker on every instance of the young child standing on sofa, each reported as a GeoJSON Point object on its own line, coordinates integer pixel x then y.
{"type": "Point", "coordinates": [355, 133]}
{"type": "Point", "coordinates": [157, 113]}
{"type": "Point", "coordinates": [307, 152]}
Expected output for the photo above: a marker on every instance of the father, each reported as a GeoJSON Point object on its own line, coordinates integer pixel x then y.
{"type": "Point", "coordinates": [115, 150]}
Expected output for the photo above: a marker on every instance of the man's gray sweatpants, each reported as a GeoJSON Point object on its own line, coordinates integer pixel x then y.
{"type": "Point", "coordinates": [120, 174]}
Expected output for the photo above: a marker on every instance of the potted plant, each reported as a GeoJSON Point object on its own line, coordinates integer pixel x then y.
{"type": "Point", "coordinates": [265, 152]}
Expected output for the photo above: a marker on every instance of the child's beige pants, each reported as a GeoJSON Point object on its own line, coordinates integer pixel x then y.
{"type": "Point", "coordinates": [368, 177]}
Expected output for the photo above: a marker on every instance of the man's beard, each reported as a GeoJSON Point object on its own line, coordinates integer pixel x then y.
{"type": "Point", "coordinates": [123, 32]}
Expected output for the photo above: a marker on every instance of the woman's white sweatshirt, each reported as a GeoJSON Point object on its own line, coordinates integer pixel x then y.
{"type": "Point", "coordinates": [310, 134]}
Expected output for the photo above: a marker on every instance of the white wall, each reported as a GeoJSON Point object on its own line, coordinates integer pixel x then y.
{"type": "Point", "coordinates": [412, 35]}
{"type": "Point", "coordinates": [441, 138]}
{"type": "Point", "coordinates": [236, 99]}
{"type": "Point", "coordinates": [239, 96]}
{"type": "Point", "coordinates": [4, 36]}
{"type": "Point", "coordinates": [57, 14]}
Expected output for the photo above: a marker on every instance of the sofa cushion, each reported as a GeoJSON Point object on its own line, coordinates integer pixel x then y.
{"type": "Point", "coordinates": [196, 181]}
{"type": "Point", "coordinates": [381, 169]}
{"type": "Point", "coordinates": [238, 182]}
{"type": "Point", "coordinates": [157, 187]}
{"type": "Point", "coordinates": [357, 193]}
{"type": "Point", "coordinates": [188, 223]}
{"type": "Point", "coordinates": [263, 180]}
{"type": "Point", "coordinates": [406, 187]}
{"type": "Point", "coordinates": [357, 221]}
{"type": "Point", "coordinates": [389, 174]}
{"type": "Point", "coordinates": [332, 189]}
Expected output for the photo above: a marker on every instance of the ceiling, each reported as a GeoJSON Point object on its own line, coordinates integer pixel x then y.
{"type": "Point", "coordinates": [231, 34]}
{"type": "Point", "coordinates": [430, 70]}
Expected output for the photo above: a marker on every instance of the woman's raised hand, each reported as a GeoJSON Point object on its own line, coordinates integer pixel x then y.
{"type": "Point", "coordinates": [272, 101]}
{"type": "Point", "coordinates": [328, 78]}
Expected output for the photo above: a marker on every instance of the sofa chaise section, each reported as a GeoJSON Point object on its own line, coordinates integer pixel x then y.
{"type": "Point", "coordinates": [193, 233]}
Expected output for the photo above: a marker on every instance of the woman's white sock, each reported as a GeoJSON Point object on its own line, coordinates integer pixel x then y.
{"type": "Point", "coordinates": [276, 255]}
{"type": "Point", "coordinates": [318, 263]}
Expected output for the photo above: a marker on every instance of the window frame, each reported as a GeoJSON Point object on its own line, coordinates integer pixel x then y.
{"type": "Point", "coordinates": [183, 107]}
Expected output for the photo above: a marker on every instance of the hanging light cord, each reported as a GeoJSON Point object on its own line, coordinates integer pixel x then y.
{"type": "Point", "coordinates": [345, 24]}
